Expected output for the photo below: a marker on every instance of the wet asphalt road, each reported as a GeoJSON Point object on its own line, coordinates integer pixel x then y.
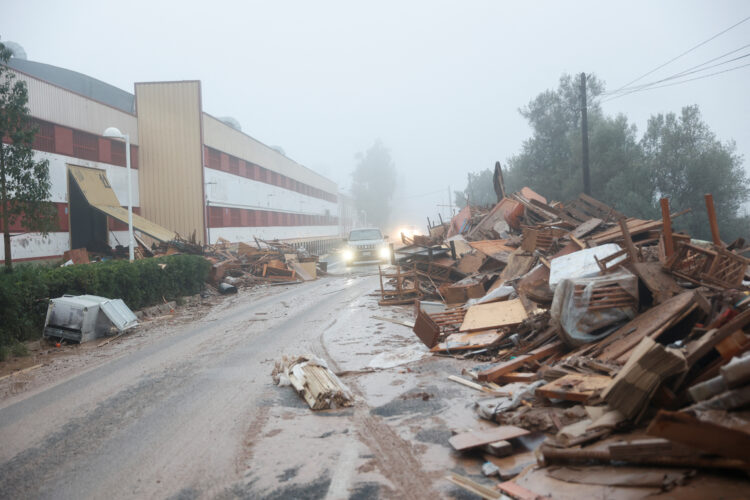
{"type": "Point", "coordinates": [174, 418]}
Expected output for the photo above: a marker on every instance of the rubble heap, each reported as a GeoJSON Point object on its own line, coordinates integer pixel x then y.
{"type": "Point", "coordinates": [616, 340]}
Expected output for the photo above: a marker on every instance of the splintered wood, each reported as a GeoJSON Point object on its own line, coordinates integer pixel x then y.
{"type": "Point", "coordinates": [593, 320]}
{"type": "Point", "coordinates": [575, 387]}
{"type": "Point", "coordinates": [312, 380]}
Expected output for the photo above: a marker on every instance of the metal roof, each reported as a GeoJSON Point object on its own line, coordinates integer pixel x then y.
{"type": "Point", "coordinates": [77, 82]}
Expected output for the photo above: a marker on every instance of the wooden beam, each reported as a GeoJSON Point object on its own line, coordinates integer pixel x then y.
{"type": "Point", "coordinates": [703, 435]}
{"type": "Point", "coordinates": [712, 220]}
{"type": "Point", "coordinates": [628, 241]}
{"type": "Point", "coordinates": [494, 373]}
{"type": "Point", "coordinates": [667, 228]}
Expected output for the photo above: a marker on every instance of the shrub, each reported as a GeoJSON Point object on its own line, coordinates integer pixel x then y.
{"type": "Point", "coordinates": [25, 292]}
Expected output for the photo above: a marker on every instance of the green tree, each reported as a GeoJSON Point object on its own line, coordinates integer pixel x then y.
{"type": "Point", "coordinates": [478, 190]}
{"type": "Point", "coordinates": [24, 182]}
{"type": "Point", "coordinates": [686, 161]}
{"type": "Point", "coordinates": [550, 160]}
{"type": "Point", "coordinates": [373, 183]}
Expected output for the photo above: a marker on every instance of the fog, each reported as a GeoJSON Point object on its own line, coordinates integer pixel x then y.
{"type": "Point", "coordinates": [440, 83]}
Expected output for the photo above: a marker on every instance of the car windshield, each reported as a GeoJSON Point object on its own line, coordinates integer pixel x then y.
{"type": "Point", "coordinates": [365, 234]}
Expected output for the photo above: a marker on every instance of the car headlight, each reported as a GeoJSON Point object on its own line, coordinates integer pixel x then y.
{"type": "Point", "coordinates": [385, 252]}
{"type": "Point", "coordinates": [347, 254]}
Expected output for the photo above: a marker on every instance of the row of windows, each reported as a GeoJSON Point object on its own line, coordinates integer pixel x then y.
{"type": "Point", "coordinates": [79, 144]}
{"type": "Point", "coordinates": [255, 172]}
{"type": "Point", "coordinates": [240, 217]}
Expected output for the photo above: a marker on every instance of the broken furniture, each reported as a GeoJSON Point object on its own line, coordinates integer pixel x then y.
{"type": "Point", "coordinates": [405, 287]}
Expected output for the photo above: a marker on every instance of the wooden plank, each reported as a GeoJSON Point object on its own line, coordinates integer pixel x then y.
{"type": "Point", "coordinates": [667, 227]}
{"type": "Point", "coordinates": [474, 487]}
{"type": "Point", "coordinates": [703, 435]}
{"type": "Point", "coordinates": [650, 323]}
{"type": "Point", "coordinates": [699, 348]}
{"type": "Point", "coordinates": [577, 387]}
{"type": "Point", "coordinates": [426, 329]}
{"type": "Point", "coordinates": [712, 223]}
{"type": "Point", "coordinates": [585, 228]}
{"type": "Point", "coordinates": [476, 387]}
{"type": "Point", "coordinates": [494, 373]}
{"type": "Point", "coordinates": [605, 209]}
{"type": "Point", "coordinates": [512, 377]}
{"type": "Point", "coordinates": [660, 283]}
{"type": "Point", "coordinates": [635, 227]}
{"type": "Point", "coordinates": [494, 315]}
{"type": "Point", "coordinates": [516, 491]}
{"type": "Point", "coordinates": [641, 448]}
{"type": "Point", "coordinates": [474, 439]}
{"type": "Point", "coordinates": [628, 241]}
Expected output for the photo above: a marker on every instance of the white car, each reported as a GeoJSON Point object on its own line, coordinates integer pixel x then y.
{"type": "Point", "coordinates": [366, 245]}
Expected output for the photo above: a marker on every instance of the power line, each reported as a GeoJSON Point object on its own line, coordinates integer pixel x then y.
{"type": "Point", "coordinates": [680, 75]}
{"type": "Point", "coordinates": [681, 55]}
{"type": "Point", "coordinates": [676, 83]}
{"type": "Point", "coordinates": [690, 70]}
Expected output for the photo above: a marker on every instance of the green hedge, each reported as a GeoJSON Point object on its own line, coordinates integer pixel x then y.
{"type": "Point", "coordinates": [24, 292]}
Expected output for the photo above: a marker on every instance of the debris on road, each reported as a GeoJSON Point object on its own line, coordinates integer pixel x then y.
{"type": "Point", "coordinates": [81, 318]}
{"type": "Point", "coordinates": [314, 381]}
{"type": "Point", "coordinates": [622, 343]}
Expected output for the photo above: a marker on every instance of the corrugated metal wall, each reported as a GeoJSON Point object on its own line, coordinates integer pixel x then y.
{"type": "Point", "coordinates": [171, 166]}
{"type": "Point", "coordinates": [57, 105]}
{"type": "Point", "coordinates": [218, 135]}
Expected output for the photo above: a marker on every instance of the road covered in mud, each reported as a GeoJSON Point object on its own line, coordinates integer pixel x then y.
{"type": "Point", "coordinates": [185, 407]}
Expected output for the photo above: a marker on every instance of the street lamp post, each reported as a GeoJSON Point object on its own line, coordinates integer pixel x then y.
{"type": "Point", "coordinates": [114, 133]}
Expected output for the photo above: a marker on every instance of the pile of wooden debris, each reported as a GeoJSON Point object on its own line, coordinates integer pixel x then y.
{"type": "Point", "coordinates": [617, 342]}
{"type": "Point", "coordinates": [241, 264]}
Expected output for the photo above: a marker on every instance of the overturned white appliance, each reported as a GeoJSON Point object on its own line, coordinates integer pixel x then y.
{"type": "Point", "coordinates": [85, 317]}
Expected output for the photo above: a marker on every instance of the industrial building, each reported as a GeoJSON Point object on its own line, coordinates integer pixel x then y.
{"type": "Point", "coordinates": [193, 175]}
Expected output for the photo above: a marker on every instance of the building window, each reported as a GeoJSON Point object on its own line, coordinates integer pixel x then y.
{"type": "Point", "coordinates": [118, 153]}
{"type": "Point", "coordinates": [85, 146]}
{"type": "Point", "coordinates": [234, 165]}
{"type": "Point", "coordinates": [236, 217]}
{"type": "Point", "coordinates": [215, 217]}
{"type": "Point", "coordinates": [44, 140]}
{"type": "Point", "coordinates": [214, 159]}
{"type": "Point", "coordinates": [133, 156]}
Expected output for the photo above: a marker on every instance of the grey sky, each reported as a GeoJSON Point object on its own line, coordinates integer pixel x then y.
{"type": "Point", "coordinates": [439, 83]}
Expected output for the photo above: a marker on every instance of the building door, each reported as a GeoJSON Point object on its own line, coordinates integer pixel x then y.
{"type": "Point", "coordinates": [88, 226]}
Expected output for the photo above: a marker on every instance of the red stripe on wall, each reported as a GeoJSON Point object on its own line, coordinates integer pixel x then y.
{"type": "Point", "coordinates": [53, 138]}
{"type": "Point", "coordinates": [224, 162]}
{"type": "Point", "coordinates": [242, 217]}
{"type": "Point", "coordinates": [63, 222]}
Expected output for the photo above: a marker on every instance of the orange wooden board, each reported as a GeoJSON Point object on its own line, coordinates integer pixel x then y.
{"type": "Point", "coordinates": [494, 315]}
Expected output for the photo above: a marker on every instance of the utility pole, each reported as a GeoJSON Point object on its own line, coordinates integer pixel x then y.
{"type": "Point", "coordinates": [585, 137]}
